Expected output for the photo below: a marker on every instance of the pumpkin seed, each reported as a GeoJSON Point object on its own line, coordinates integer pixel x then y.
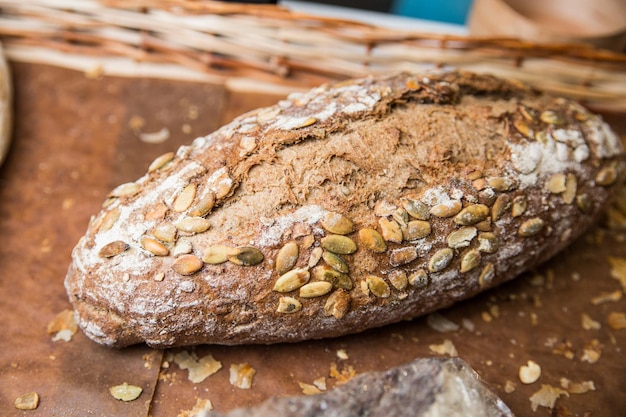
{"type": "Point", "coordinates": [528, 113]}
{"type": "Point", "coordinates": [500, 184]}
{"type": "Point", "coordinates": [500, 206]}
{"type": "Point", "coordinates": [337, 304]}
{"type": "Point", "coordinates": [472, 214]}
{"type": "Point", "coordinates": [440, 260]}
{"type": "Point", "coordinates": [462, 237]}
{"type": "Point", "coordinates": [128, 189]}
{"type": "Point", "coordinates": [154, 246]}
{"type": "Point", "coordinates": [165, 232]}
{"type": "Point", "coordinates": [292, 280]}
{"type": "Point", "coordinates": [398, 279]}
{"type": "Point", "coordinates": [551, 117]}
{"type": "Point", "coordinates": [338, 244]}
{"type": "Point", "coordinates": [418, 278]}
{"type": "Point", "coordinates": [337, 223]}
{"type": "Point", "coordinates": [488, 242]}
{"type": "Point", "coordinates": [486, 275]}
{"type": "Point", "coordinates": [217, 254]}
{"type": "Point", "coordinates": [531, 227]}
{"type": "Point", "coordinates": [384, 208]}
{"type": "Point", "coordinates": [470, 260]}
{"type": "Point", "coordinates": [584, 203]}
{"type": "Point", "coordinates": [372, 240]}
{"type": "Point", "coordinates": [571, 186]}
{"type": "Point", "coordinates": [193, 225]}
{"type": "Point", "coordinates": [185, 198]}
{"type": "Point", "coordinates": [416, 229]}
{"type": "Point", "coordinates": [315, 289]}
{"type": "Point", "coordinates": [390, 230]}
{"type": "Point", "coordinates": [522, 127]}
{"type": "Point", "coordinates": [556, 183]}
{"type": "Point", "coordinates": [246, 256]}
{"type": "Point", "coordinates": [287, 257]}
{"type": "Point", "coordinates": [328, 274]}
{"type": "Point", "coordinates": [416, 209]}
{"type": "Point", "coordinates": [308, 122]}
{"type": "Point", "coordinates": [401, 217]}
{"type": "Point", "coordinates": [182, 247]}
{"type": "Point", "coordinates": [335, 261]}
{"type": "Point", "coordinates": [607, 175]}
{"type": "Point", "coordinates": [403, 256]}
{"type": "Point", "coordinates": [108, 220]}
{"type": "Point", "coordinates": [378, 286]}
{"type": "Point", "coordinates": [484, 226]}
{"type": "Point", "coordinates": [114, 248]}
{"type": "Point", "coordinates": [316, 255]}
{"type": "Point", "coordinates": [448, 209]}
{"type": "Point", "coordinates": [160, 161]}
{"type": "Point", "coordinates": [204, 206]}
{"type": "Point", "coordinates": [520, 203]}
{"type": "Point", "coordinates": [187, 264]}
{"type": "Point", "coordinates": [288, 305]}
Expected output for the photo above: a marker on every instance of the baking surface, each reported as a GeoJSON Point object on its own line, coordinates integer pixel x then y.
{"type": "Point", "coordinates": [77, 137]}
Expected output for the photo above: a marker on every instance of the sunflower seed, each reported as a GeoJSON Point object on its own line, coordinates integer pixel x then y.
{"type": "Point", "coordinates": [520, 203]}
{"type": "Point", "coordinates": [416, 229]}
{"type": "Point", "coordinates": [531, 227]}
{"type": "Point", "coordinates": [217, 254]}
{"type": "Point", "coordinates": [338, 244]}
{"type": "Point", "coordinates": [337, 223]}
{"type": "Point", "coordinates": [187, 264]}
{"type": "Point", "coordinates": [204, 206]}
{"type": "Point", "coordinates": [418, 278]}
{"type": "Point", "coordinates": [185, 198]}
{"type": "Point", "coordinates": [287, 257]}
{"type": "Point", "coordinates": [462, 237]}
{"type": "Point", "coordinates": [108, 220]}
{"type": "Point", "coordinates": [448, 209]}
{"type": "Point", "coordinates": [470, 260]}
{"type": "Point", "coordinates": [390, 230]}
{"type": "Point", "coordinates": [246, 256]}
{"type": "Point", "coordinates": [114, 248]}
{"type": "Point", "coordinates": [315, 289]}
{"type": "Point", "coordinates": [488, 242]}
{"type": "Point", "coordinates": [193, 225]}
{"type": "Point", "coordinates": [335, 261]}
{"type": "Point", "coordinates": [607, 175]}
{"type": "Point", "coordinates": [486, 275]}
{"type": "Point", "coordinates": [154, 246]}
{"type": "Point", "coordinates": [556, 183]}
{"type": "Point", "coordinates": [500, 206]}
{"type": "Point", "coordinates": [336, 278]}
{"type": "Point", "coordinates": [571, 186]}
{"type": "Point", "coordinates": [398, 279]}
{"type": "Point", "coordinates": [292, 280]}
{"type": "Point", "coordinates": [128, 189]}
{"type": "Point", "coordinates": [378, 286]}
{"type": "Point", "coordinates": [551, 117]}
{"type": "Point", "coordinates": [316, 255]}
{"type": "Point", "coordinates": [472, 214]}
{"type": "Point", "coordinates": [416, 209]}
{"type": "Point", "coordinates": [500, 184]}
{"type": "Point", "coordinates": [403, 256]}
{"type": "Point", "coordinates": [372, 240]}
{"type": "Point", "coordinates": [337, 304]}
{"type": "Point", "coordinates": [161, 161]}
{"type": "Point", "coordinates": [440, 260]}
{"type": "Point", "coordinates": [165, 232]}
{"type": "Point", "coordinates": [288, 305]}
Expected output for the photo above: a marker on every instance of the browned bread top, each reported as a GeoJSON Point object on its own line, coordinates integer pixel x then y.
{"type": "Point", "coordinates": [348, 207]}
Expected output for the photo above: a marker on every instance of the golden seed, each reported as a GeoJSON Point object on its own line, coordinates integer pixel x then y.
{"type": "Point", "coordinates": [372, 240]}
{"type": "Point", "coordinates": [584, 203]}
{"type": "Point", "coordinates": [315, 289]}
{"type": "Point", "coordinates": [337, 223]}
{"type": "Point", "coordinates": [288, 305]}
{"type": "Point", "coordinates": [337, 304]}
{"type": "Point", "coordinates": [128, 189]}
{"type": "Point", "coordinates": [287, 257]}
{"type": "Point", "coordinates": [335, 261]}
{"type": "Point", "coordinates": [187, 264]}
{"type": "Point", "coordinates": [556, 183]}
{"type": "Point", "coordinates": [488, 242]}
{"type": "Point", "coordinates": [308, 241]}
{"type": "Point", "coordinates": [378, 286]}
{"type": "Point", "coordinates": [292, 280]}
{"type": "Point", "coordinates": [114, 248]}
{"type": "Point", "coordinates": [336, 278]}
{"type": "Point", "coordinates": [398, 279]}
{"type": "Point", "coordinates": [193, 225]}
{"type": "Point", "coordinates": [185, 198]}
{"type": "Point", "coordinates": [486, 275]}
{"type": "Point", "coordinates": [520, 203]}
{"type": "Point", "coordinates": [154, 246]}
{"type": "Point", "coordinates": [28, 401]}
{"type": "Point", "coordinates": [316, 255]}
{"type": "Point", "coordinates": [160, 161]}
{"type": "Point", "coordinates": [308, 122]}
{"type": "Point", "coordinates": [338, 244]}
{"type": "Point", "coordinates": [551, 117]}
{"type": "Point", "coordinates": [217, 254]}
{"type": "Point", "coordinates": [418, 278]}
{"type": "Point", "coordinates": [607, 175]}
{"type": "Point", "coordinates": [440, 260]}
{"type": "Point", "coordinates": [522, 127]}
{"type": "Point", "coordinates": [416, 209]}
{"type": "Point", "coordinates": [472, 214]}
{"type": "Point", "coordinates": [204, 206]}
{"type": "Point", "coordinates": [246, 256]}
{"type": "Point", "coordinates": [571, 186]}
{"type": "Point", "coordinates": [470, 260]}
{"type": "Point", "coordinates": [500, 206]}
{"type": "Point", "coordinates": [416, 229]}
{"type": "Point", "coordinates": [390, 230]}
{"type": "Point", "coordinates": [462, 237]}
{"type": "Point", "coordinates": [384, 208]}
{"type": "Point", "coordinates": [165, 232]}
{"type": "Point", "coordinates": [403, 256]}
{"type": "Point", "coordinates": [500, 184]}
{"type": "Point", "coordinates": [108, 220]}
{"type": "Point", "coordinates": [531, 227]}
{"type": "Point", "coordinates": [446, 209]}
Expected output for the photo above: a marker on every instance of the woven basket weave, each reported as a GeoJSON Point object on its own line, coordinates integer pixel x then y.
{"type": "Point", "coordinates": [266, 46]}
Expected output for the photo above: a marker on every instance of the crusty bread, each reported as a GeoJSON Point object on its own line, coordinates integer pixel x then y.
{"type": "Point", "coordinates": [348, 207]}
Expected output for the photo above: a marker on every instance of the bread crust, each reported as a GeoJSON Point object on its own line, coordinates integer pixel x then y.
{"type": "Point", "coordinates": [348, 207]}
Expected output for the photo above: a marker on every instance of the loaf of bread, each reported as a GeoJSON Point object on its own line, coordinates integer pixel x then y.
{"type": "Point", "coordinates": [348, 207]}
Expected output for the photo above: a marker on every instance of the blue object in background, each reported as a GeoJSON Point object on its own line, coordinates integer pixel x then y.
{"type": "Point", "coordinates": [450, 11]}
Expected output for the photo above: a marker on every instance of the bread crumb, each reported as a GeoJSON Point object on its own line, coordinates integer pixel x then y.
{"type": "Point", "coordinates": [446, 348]}
{"type": "Point", "coordinates": [530, 372]}
{"type": "Point", "coordinates": [588, 323]}
{"type": "Point", "coordinates": [125, 392]}
{"type": "Point", "coordinates": [198, 409]}
{"type": "Point", "coordinates": [617, 320]}
{"type": "Point", "coordinates": [592, 351]}
{"type": "Point", "coordinates": [159, 136]}
{"type": "Point", "coordinates": [308, 389]}
{"type": "Point", "coordinates": [577, 387]}
{"type": "Point", "coordinates": [343, 376]}
{"type": "Point", "coordinates": [28, 401]}
{"type": "Point", "coordinates": [199, 369]}
{"type": "Point", "coordinates": [63, 326]}
{"type": "Point", "coordinates": [606, 297]}
{"type": "Point", "coordinates": [546, 397]}
{"type": "Point", "coordinates": [241, 375]}
{"type": "Point", "coordinates": [486, 317]}
{"type": "Point", "coordinates": [342, 354]}
{"type": "Point", "coordinates": [618, 270]}
{"type": "Point", "coordinates": [441, 324]}
{"type": "Point", "coordinates": [509, 386]}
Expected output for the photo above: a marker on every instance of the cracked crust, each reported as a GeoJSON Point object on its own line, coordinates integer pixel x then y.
{"type": "Point", "coordinates": [463, 180]}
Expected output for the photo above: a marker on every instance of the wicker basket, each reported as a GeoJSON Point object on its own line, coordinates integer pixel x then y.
{"type": "Point", "coordinates": [258, 47]}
